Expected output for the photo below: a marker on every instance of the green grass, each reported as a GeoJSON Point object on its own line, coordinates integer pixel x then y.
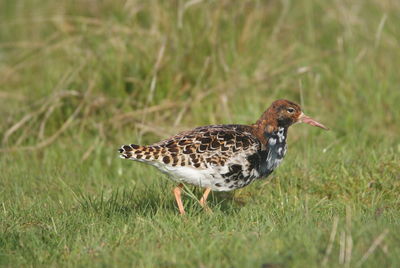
{"type": "Point", "coordinates": [78, 79]}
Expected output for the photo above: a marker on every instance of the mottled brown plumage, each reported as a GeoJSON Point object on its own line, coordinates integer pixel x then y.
{"type": "Point", "coordinates": [199, 148]}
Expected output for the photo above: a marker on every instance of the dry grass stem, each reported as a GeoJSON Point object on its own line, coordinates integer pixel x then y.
{"type": "Point", "coordinates": [152, 109]}
{"type": "Point", "coordinates": [331, 240]}
{"type": "Point", "coordinates": [378, 240]}
{"type": "Point", "coordinates": [53, 137]}
{"type": "Point", "coordinates": [342, 243]}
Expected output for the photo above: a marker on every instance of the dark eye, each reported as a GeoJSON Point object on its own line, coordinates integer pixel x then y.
{"type": "Point", "coordinates": [290, 110]}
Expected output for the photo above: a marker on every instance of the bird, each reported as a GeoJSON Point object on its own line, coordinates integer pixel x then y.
{"type": "Point", "coordinates": [223, 157]}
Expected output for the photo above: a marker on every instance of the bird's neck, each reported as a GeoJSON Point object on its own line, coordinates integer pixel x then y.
{"type": "Point", "coordinates": [264, 129]}
{"type": "Point", "coordinates": [279, 135]}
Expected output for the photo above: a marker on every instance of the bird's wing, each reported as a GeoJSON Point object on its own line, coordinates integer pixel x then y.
{"type": "Point", "coordinates": [200, 148]}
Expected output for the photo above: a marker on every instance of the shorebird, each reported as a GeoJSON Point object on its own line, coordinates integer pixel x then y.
{"type": "Point", "coordinates": [223, 157]}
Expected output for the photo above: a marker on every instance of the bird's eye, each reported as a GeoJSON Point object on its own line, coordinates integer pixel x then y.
{"type": "Point", "coordinates": [290, 110]}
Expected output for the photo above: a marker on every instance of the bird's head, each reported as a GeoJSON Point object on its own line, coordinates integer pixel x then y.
{"type": "Point", "coordinates": [286, 113]}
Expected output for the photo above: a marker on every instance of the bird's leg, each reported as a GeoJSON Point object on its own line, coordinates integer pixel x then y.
{"type": "Point", "coordinates": [177, 193]}
{"type": "Point", "coordinates": [203, 199]}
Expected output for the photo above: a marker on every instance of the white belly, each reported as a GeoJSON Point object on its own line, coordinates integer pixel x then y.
{"type": "Point", "coordinates": [206, 178]}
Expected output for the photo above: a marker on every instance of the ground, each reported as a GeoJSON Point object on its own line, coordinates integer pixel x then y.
{"type": "Point", "coordinates": [78, 81]}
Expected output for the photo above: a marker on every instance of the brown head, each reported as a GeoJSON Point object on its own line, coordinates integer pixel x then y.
{"type": "Point", "coordinates": [284, 113]}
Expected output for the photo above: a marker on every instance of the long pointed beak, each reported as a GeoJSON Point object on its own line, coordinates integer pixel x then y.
{"type": "Point", "coordinates": [308, 120]}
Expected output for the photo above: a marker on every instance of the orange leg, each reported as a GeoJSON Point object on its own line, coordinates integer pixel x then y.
{"type": "Point", "coordinates": [177, 193]}
{"type": "Point", "coordinates": [203, 199]}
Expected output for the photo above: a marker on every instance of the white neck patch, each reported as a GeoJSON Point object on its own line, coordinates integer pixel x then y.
{"type": "Point", "coordinates": [280, 134]}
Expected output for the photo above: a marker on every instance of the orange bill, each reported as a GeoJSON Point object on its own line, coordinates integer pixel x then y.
{"type": "Point", "coordinates": [308, 120]}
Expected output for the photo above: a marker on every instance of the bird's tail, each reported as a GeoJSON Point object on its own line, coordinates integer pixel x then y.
{"type": "Point", "coordinates": [137, 152]}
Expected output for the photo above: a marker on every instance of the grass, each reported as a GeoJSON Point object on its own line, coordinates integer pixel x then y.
{"type": "Point", "coordinates": [77, 81]}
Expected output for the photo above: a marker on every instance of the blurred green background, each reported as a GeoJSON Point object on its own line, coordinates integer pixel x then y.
{"type": "Point", "coordinates": [80, 78]}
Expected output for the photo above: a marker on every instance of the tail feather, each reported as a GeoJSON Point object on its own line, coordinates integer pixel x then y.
{"type": "Point", "coordinates": [136, 152]}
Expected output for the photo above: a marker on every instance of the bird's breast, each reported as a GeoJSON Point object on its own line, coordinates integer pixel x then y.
{"type": "Point", "coordinates": [270, 158]}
